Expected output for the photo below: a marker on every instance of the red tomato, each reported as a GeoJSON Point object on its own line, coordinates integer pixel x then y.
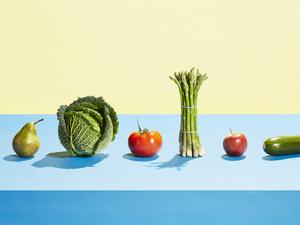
{"type": "Point", "coordinates": [145, 143]}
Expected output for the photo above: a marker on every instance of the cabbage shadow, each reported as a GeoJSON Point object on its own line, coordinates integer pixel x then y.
{"type": "Point", "coordinates": [64, 160]}
{"type": "Point", "coordinates": [177, 162]}
{"type": "Point", "coordinates": [16, 158]}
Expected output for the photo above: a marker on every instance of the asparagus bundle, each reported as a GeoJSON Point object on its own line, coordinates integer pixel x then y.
{"type": "Point", "coordinates": [189, 84]}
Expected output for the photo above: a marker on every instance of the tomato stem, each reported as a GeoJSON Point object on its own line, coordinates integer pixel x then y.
{"type": "Point", "coordinates": [137, 121]}
{"type": "Point", "coordinates": [142, 131]}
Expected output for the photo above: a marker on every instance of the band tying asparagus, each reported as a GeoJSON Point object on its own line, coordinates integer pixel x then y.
{"type": "Point", "coordinates": [189, 83]}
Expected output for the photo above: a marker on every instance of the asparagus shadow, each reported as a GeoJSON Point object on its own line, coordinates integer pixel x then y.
{"type": "Point", "coordinates": [177, 162]}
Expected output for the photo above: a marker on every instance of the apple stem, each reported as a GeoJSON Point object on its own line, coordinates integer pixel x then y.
{"type": "Point", "coordinates": [38, 121]}
{"type": "Point", "coordinates": [230, 131]}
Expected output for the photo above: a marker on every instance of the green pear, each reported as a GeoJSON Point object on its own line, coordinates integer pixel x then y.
{"type": "Point", "coordinates": [26, 142]}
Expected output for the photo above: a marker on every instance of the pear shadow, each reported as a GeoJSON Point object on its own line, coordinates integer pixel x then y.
{"type": "Point", "coordinates": [177, 162]}
{"type": "Point", "coordinates": [131, 157]}
{"type": "Point", "coordinates": [280, 157]}
{"type": "Point", "coordinates": [16, 158]}
{"type": "Point", "coordinates": [233, 158]}
{"type": "Point", "coordinates": [63, 160]}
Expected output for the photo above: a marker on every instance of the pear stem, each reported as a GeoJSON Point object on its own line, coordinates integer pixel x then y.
{"type": "Point", "coordinates": [38, 121]}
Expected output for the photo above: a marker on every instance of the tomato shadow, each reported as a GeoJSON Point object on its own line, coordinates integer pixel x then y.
{"type": "Point", "coordinates": [178, 162]}
{"type": "Point", "coordinates": [131, 157]}
{"type": "Point", "coordinates": [16, 158]}
{"type": "Point", "coordinates": [64, 160]}
{"type": "Point", "coordinates": [233, 158]}
{"type": "Point", "coordinates": [280, 157]}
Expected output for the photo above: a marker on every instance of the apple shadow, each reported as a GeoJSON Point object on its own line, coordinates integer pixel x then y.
{"type": "Point", "coordinates": [233, 158]}
{"type": "Point", "coordinates": [16, 158]}
{"type": "Point", "coordinates": [131, 157]}
{"type": "Point", "coordinates": [177, 162]}
{"type": "Point", "coordinates": [63, 160]}
{"type": "Point", "coordinates": [280, 157]}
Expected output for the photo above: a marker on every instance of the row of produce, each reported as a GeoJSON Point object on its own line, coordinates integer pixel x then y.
{"type": "Point", "coordinates": [89, 124]}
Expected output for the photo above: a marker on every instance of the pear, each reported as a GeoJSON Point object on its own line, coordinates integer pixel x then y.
{"type": "Point", "coordinates": [26, 142]}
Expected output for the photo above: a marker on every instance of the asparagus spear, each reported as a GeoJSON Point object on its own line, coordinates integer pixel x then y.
{"type": "Point", "coordinates": [189, 83]}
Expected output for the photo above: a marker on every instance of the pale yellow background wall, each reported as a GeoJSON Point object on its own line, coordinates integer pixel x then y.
{"type": "Point", "coordinates": [53, 51]}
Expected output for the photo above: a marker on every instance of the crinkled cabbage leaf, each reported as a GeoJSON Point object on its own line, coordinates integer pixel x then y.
{"type": "Point", "coordinates": [87, 125]}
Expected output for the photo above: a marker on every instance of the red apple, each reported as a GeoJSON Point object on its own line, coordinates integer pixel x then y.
{"type": "Point", "coordinates": [235, 144]}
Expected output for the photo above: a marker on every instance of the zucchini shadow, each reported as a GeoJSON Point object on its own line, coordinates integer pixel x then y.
{"type": "Point", "coordinates": [64, 160]}
{"type": "Point", "coordinates": [280, 157]}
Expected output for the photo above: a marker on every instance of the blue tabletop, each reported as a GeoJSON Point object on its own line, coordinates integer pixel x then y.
{"type": "Point", "coordinates": [149, 207]}
{"type": "Point", "coordinates": [115, 169]}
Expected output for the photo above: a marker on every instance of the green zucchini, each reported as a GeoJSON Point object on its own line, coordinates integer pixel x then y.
{"type": "Point", "coordinates": [282, 145]}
